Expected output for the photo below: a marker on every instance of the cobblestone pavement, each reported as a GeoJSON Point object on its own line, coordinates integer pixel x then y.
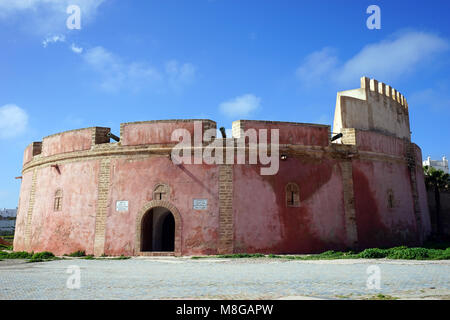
{"type": "Point", "coordinates": [184, 278]}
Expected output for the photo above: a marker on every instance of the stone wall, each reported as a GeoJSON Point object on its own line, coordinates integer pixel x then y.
{"type": "Point", "coordinates": [374, 106]}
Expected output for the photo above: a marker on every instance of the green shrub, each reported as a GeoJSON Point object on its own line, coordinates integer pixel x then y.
{"type": "Point", "coordinates": [15, 255]}
{"type": "Point", "coordinates": [409, 254]}
{"type": "Point", "coordinates": [242, 255]}
{"type": "Point", "coordinates": [78, 253]}
{"type": "Point", "coordinates": [122, 257]}
{"type": "Point", "coordinates": [401, 252]}
{"type": "Point", "coordinates": [373, 253]}
{"type": "Point", "coordinates": [331, 254]}
{"type": "Point", "coordinates": [43, 256]}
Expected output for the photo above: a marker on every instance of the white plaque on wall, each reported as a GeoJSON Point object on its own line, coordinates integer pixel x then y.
{"type": "Point", "coordinates": [121, 205]}
{"type": "Point", "coordinates": [200, 204]}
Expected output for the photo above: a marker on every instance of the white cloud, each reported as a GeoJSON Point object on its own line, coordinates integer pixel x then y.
{"type": "Point", "coordinates": [13, 121]}
{"type": "Point", "coordinates": [317, 65]}
{"type": "Point", "coordinates": [240, 106]}
{"type": "Point", "coordinates": [54, 39]}
{"type": "Point", "coordinates": [116, 74]}
{"type": "Point", "coordinates": [76, 49]}
{"type": "Point", "coordinates": [179, 74]}
{"type": "Point", "coordinates": [386, 60]}
{"type": "Point", "coordinates": [46, 16]}
{"type": "Point", "coordinates": [87, 7]}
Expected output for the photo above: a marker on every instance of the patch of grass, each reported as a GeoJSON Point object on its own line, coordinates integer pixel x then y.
{"type": "Point", "coordinates": [78, 253]}
{"type": "Point", "coordinates": [3, 247]}
{"type": "Point", "coordinates": [31, 257]}
{"type": "Point", "coordinates": [405, 253]}
{"type": "Point", "coordinates": [382, 297]}
{"type": "Point", "coordinates": [373, 253]}
{"type": "Point", "coordinates": [122, 257]}
{"type": "Point", "coordinates": [402, 252]}
{"type": "Point", "coordinates": [45, 255]}
{"type": "Point", "coordinates": [42, 256]}
{"type": "Point", "coordinates": [242, 255]}
{"type": "Point", "coordinates": [341, 296]}
{"type": "Point", "coordinates": [15, 255]}
{"type": "Point", "coordinates": [82, 255]}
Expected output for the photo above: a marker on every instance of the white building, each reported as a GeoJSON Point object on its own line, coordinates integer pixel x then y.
{"type": "Point", "coordinates": [437, 164]}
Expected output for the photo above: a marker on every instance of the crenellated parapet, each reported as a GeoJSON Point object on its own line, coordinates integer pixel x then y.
{"type": "Point", "coordinates": [374, 106]}
{"type": "Point", "coordinates": [385, 90]}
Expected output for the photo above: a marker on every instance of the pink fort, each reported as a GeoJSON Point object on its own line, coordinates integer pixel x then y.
{"type": "Point", "coordinates": [366, 189]}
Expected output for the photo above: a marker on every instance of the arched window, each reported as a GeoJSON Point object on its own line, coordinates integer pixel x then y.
{"type": "Point", "coordinates": [161, 192]}
{"type": "Point", "coordinates": [57, 205]}
{"type": "Point", "coordinates": [292, 195]}
{"type": "Point", "coordinates": [390, 199]}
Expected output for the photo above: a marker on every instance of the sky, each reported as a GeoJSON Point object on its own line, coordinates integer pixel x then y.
{"type": "Point", "coordinates": [222, 60]}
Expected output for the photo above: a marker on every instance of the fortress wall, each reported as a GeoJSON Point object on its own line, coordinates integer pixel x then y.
{"type": "Point", "coordinates": [374, 106]}
{"type": "Point", "coordinates": [380, 143]}
{"type": "Point", "coordinates": [70, 141]}
{"type": "Point", "coordinates": [21, 219]}
{"type": "Point", "coordinates": [289, 132]}
{"type": "Point", "coordinates": [134, 180]}
{"type": "Point", "coordinates": [158, 132]}
{"type": "Point", "coordinates": [74, 140]}
{"type": "Point", "coordinates": [72, 228]}
{"type": "Point", "coordinates": [361, 191]}
{"type": "Point", "coordinates": [31, 150]}
{"type": "Point", "coordinates": [28, 154]}
{"type": "Point", "coordinates": [264, 223]}
{"type": "Point", "coordinates": [378, 224]}
{"type": "Point", "coordinates": [422, 193]}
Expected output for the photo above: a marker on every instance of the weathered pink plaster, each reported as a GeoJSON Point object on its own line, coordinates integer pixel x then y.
{"type": "Point", "coordinates": [70, 141]}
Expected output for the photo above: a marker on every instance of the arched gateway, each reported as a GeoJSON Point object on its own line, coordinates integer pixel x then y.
{"type": "Point", "coordinates": [158, 229]}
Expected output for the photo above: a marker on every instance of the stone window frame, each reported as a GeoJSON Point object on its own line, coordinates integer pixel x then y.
{"type": "Point", "coordinates": [58, 199]}
{"type": "Point", "coordinates": [292, 192]}
{"type": "Point", "coordinates": [390, 199]}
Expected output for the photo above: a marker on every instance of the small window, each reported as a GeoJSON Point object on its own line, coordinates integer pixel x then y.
{"type": "Point", "coordinates": [161, 192]}
{"type": "Point", "coordinates": [292, 195]}
{"type": "Point", "coordinates": [57, 205]}
{"type": "Point", "coordinates": [390, 199]}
